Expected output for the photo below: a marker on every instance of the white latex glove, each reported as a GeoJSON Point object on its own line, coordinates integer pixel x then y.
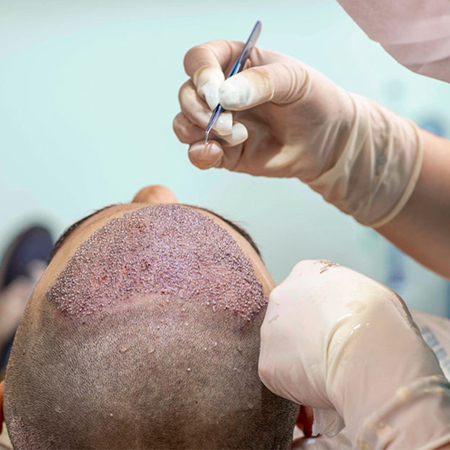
{"type": "Point", "coordinates": [291, 121]}
{"type": "Point", "coordinates": [435, 331]}
{"type": "Point", "coordinates": [339, 442]}
{"type": "Point", "coordinates": [344, 344]}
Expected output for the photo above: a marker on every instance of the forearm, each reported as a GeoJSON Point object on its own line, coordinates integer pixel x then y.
{"type": "Point", "coordinates": [422, 228]}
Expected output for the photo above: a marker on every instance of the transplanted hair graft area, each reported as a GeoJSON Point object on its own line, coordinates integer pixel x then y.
{"type": "Point", "coordinates": [148, 338]}
{"type": "Point", "coordinates": [166, 249]}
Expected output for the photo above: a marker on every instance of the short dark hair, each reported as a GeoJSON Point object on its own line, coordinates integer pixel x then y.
{"type": "Point", "coordinates": [149, 338]}
{"type": "Point", "coordinates": [233, 224]}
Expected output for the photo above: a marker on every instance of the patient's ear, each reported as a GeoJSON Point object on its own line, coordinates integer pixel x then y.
{"type": "Point", "coordinates": [2, 418]}
{"type": "Point", "coordinates": [155, 193]}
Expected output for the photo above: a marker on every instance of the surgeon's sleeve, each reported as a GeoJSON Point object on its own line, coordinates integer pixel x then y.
{"type": "Point", "coordinates": [414, 32]}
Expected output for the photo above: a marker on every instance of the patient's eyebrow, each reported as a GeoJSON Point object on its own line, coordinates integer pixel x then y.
{"type": "Point", "coordinates": [73, 227]}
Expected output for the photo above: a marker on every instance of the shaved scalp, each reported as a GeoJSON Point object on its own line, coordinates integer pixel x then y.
{"type": "Point", "coordinates": [149, 338]}
{"type": "Point", "coordinates": [166, 249]}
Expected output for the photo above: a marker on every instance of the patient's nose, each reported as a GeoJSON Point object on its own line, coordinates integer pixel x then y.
{"type": "Point", "coordinates": [155, 194]}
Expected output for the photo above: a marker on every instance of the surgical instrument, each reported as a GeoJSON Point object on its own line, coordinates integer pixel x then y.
{"type": "Point", "coordinates": [237, 67]}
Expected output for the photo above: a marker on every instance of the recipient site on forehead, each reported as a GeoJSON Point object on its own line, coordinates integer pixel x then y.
{"type": "Point", "coordinates": [168, 250]}
{"type": "Point", "coordinates": [69, 231]}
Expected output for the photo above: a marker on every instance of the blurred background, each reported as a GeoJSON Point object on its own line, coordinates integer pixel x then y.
{"type": "Point", "coordinates": [88, 92]}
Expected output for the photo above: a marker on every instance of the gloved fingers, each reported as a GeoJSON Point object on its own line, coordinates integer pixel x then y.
{"type": "Point", "coordinates": [221, 152]}
{"type": "Point", "coordinates": [206, 156]}
{"type": "Point", "coordinates": [280, 82]}
{"type": "Point", "coordinates": [186, 131]}
{"type": "Point", "coordinates": [208, 81]}
{"type": "Point", "coordinates": [219, 54]}
{"type": "Point", "coordinates": [222, 54]}
{"type": "Point", "coordinates": [239, 134]}
{"type": "Point", "coordinates": [274, 336]}
{"type": "Point", "coordinates": [198, 112]}
{"type": "Point", "coordinates": [327, 422]}
{"type": "Point", "coordinates": [319, 277]}
{"type": "Point", "coordinates": [313, 267]}
{"type": "Point", "coordinates": [206, 63]}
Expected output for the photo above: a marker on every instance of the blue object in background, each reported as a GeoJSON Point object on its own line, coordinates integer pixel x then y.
{"type": "Point", "coordinates": [433, 125]}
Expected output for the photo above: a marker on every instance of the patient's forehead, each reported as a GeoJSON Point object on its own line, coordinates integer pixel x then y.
{"type": "Point", "coordinates": [170, 249]}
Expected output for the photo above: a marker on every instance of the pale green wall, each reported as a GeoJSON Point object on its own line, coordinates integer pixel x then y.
{"type": "Point", "coordinates": [88, 92]}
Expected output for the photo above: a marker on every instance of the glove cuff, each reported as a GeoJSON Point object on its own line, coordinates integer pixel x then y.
{"type": "Point", "coordinates": [411, 184]}
{"type": "Point", "coordinates": [378, 169]}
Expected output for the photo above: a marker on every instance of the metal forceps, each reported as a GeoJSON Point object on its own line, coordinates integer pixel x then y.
{"type": "Point", "coordinates": [237, 67]}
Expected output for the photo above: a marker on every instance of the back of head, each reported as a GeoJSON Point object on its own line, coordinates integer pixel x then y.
{"type": "Point", "coordinates": [149, 338]}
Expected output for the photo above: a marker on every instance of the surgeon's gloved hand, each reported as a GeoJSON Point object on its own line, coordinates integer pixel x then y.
{"type": "Point", "coordinates": [284, 119]}
{"type": "Point", "coordinates": [346, 345]}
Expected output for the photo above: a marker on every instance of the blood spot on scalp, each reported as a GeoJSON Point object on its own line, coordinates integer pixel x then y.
{"type": "Point", "coordinates": [169, 250]}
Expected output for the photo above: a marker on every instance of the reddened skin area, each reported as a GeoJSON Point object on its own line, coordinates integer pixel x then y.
{"type": "Point", "coordinates": [168, 249]}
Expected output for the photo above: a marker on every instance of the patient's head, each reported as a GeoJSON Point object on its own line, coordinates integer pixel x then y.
{"type": "Point", "coordinates": [144, 333]}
